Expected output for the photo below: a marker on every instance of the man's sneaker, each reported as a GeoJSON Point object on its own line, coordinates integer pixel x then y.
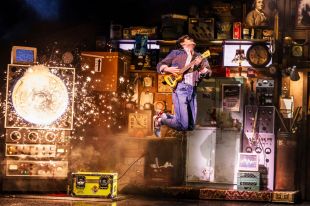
{"type": "Point", "coordinates": [157, 124]}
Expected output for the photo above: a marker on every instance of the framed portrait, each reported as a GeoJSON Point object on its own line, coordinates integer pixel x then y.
{"type": "Point", "coordinates": [303, 14]}
{"type": "Point", "coordinates": [261, 13]}
{"type": "Point", "coordinates": [231, 96]}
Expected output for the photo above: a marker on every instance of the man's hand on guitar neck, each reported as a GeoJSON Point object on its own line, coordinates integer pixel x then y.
{"type": "Point", "coordinates": [198, 60]}
{"type": "Point", "coordinates": [172, 70]}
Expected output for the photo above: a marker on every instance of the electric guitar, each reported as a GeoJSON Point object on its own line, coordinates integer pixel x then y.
{"type": "Point", "coordinates": [173, 79]}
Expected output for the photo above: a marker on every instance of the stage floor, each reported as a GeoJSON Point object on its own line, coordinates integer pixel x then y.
{"type": "Point", "coordinates": [45, 200]}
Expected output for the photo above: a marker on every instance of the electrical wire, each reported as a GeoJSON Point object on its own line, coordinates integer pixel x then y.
{"type": "Point", "coordinates": [131, 166]}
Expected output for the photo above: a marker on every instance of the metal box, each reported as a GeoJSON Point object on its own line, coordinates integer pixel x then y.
{"type": "Point", "coordinates": [105, 69]}
{"type": "Point", "coordinates": [94, 184]}
{"type": "Point", "coordinates": [249, 181]}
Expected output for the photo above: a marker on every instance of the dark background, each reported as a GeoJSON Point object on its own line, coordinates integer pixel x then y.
{"type": "Point", "coordinates": [40, 22]}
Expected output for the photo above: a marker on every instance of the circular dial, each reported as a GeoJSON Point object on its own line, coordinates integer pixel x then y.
{"type": "Point", "coordinates": [67, 57]}
{"type": "Point", "coordinates": [33, 136]}
{"type": "Point", "coordinates": [50, 136]}
{"type": "Point", "coordinates": [272, 69]}
{"type": "Point", "coordinates": [258, 55]}
{"type": "Point", "coordinates": [39, 96]}
{"type": "Point", "coordinates": [15, 136]}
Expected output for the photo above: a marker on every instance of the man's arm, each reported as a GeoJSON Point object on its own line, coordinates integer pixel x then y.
{"type": "Point", "coordinates": [164, 66]}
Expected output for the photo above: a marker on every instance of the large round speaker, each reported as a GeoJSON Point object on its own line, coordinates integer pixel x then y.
{"type": "Point", "coordinates": [39, 97]}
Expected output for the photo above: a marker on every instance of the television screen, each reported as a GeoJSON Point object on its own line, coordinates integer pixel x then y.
{"type": "Point", "coordinates": [24, 56]}
{"type": "Point", "coordinates": [230, 52]}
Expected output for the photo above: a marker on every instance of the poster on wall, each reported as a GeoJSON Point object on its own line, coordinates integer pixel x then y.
{"type": "Point", "coordinates": [303, 13]}
{"type": "Point", "coordinates": [231, 95]}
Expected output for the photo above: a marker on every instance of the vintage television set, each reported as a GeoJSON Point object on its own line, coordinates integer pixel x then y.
{"type": "Point", "coordinates": [23, 55]}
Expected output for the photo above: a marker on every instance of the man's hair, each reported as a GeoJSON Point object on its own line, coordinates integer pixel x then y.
{"type": "Point", "coordinates": [182, 38]}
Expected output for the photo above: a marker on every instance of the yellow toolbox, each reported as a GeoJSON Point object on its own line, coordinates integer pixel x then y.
{"type": "Point", "coordinates": [94, 184]}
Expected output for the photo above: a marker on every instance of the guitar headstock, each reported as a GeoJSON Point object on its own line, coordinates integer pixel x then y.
{"type": "Point", "coordinates": [206, 54]}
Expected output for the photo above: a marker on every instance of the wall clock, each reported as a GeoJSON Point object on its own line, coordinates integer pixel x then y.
{"type": "Point", "coordinates": [258, 55]}
{"type": "Point", "coordinates": [139, 124]}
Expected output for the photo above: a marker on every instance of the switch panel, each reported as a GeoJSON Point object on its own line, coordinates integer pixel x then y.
{"type": "Point", "coordinates": [265, 117]}
{"type": "Point", "coordinates": [36, 150]}
{"type": "Point", "coordinates": [58, 169]}
{"type": "Point", "coordinates": [265, 92]}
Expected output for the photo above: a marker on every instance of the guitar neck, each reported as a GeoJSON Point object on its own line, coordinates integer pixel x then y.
{"type": "Point", "coordinates": [185, 68]}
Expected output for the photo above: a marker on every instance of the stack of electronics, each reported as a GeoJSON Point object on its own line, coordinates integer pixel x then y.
{"type": "Point", "coordinates": [248, 177]}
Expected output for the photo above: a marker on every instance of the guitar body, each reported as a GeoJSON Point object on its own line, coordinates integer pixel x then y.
{"type": "Point", "coordinates": [173, 80]}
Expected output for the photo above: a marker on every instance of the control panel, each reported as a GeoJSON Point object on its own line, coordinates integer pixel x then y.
{"type": "Point", "coordinates": [36, 150]}
{"type": "Point", "coordinates": [265, 92]}
{"type": "Point", "coordinates": [259, 119]}
{"type": "Point", "coordinates": [264, 147]}
{"type": "Point", "coordinates": [37, 168]}
{"type": "Point", "coordinates": [38, 136]}
{"type": "Point", "coordinates": [259, 138]}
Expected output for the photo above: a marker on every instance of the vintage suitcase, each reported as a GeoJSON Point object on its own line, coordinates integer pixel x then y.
{"type": "Point", "coordinates": [94, 184]}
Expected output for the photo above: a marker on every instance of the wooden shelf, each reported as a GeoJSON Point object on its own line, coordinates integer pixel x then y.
{"type": "Point", "coordinates": [143, 71]}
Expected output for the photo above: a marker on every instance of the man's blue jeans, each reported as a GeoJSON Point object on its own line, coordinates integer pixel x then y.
{"type": "Point", "coordinates": [185, 108]}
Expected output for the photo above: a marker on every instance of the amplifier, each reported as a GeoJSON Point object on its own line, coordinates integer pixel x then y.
{"type": "Point", "coordinates": [94, 184]}
{"type": "Point", "coordinates": [201, 29]}
{"type": "Point", "coordinates": [248, 181]}
{"type": "Point", "coordinates": [27, 168]}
